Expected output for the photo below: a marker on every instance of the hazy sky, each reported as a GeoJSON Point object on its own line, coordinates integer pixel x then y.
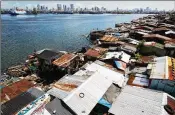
{"type": "Point", "coordinates": [111, 5]}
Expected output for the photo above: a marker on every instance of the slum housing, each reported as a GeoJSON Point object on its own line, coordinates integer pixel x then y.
{"type": "Point", "coordinates": [130, 69]}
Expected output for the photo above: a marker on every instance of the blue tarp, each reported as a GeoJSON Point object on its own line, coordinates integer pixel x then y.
{"type": "Point", "coordinates": [117, 34]}
{"type": "Point", "coordinates": [102, 101]}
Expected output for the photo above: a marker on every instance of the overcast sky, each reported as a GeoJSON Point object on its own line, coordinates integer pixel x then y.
{"type": "Point", "coordinates": [111, 5]}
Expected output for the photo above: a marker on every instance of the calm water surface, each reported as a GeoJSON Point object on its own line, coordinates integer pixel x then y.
{"type": "Point", "coordinates": [22, 34]}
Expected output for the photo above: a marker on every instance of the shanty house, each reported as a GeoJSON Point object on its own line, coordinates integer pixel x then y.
{"type": "Point", "coordinates": [152, 48]}
{"type": "Point", "coordinates": [68, 61]}
{"type": "Point", "coordinates": [160, 30]}
{"type": "Point", "coordinates": [19, 102]}
{"type": "Point", "coordinates": [162, 74]}
{"type": "Point", "coordinates": [156, 37]}
{"type": "Point", "coordinates": [46, 56]}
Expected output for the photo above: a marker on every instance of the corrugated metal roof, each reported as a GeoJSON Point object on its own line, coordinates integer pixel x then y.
{"type": "Point", "coordinates": [96, 52]}
{"type": "Point", "coordinates": [138, 81]}
{"type": "Point", "coordinates": [157, 36]}
{"type": "Point", "coordinates": [129, 47]}
{"type": "Point", "coordinates": [61, 94]}
{"type": "Point", "coordinates": [146, 59]}
{"type": "Point", "coordinates": [20, 101]}
{"type": "Point", "coordinates": [109, 66]}
{"type": "Point", "coordinates": [15, 89]}
{"type": "Point", "coordinates": [162, 68]}
{"type": "Point", "coordinates": [16, 104]}
{"type": "Point", "coordinates": [100, 81]}
{"type": "Point", "coordinates": [48, 54]}
{"type": "Point", "coordinates": [107, 38]}
{"type": "Point", "coordinates": [154, 44]}
{"type": "Point", "coordinates": [139, 101]}
{"type": "Point", "coordinates": [115, 76]}
{"type": "Point", "coordinates": [118, 55]}
{"type": "Point", "coordinates": [66, 84]}
{"type": "Point", "coordinates": [171, 102]}
{"type": "Point", "coordinates": [161, 29]}
{"type": "Point", "coordinates": [86, 98]}
{"type": "Point", "coordinates": [64, 60]}
{"type": "Point", "coordinates": [36, 107]}
{"type": "Point", "coordinates": [142, 33]}
{"type": "Point", "coordinates": [170, 32]}
{"type": "Point", "coordinates": [58, 107]}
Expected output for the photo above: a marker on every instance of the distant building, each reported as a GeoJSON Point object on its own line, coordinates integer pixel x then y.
{"type": "Point", "coordinates": [38, 7]}
{"type": "Point", "coordinates": [72, 7]}
{"type": "Point", "coordinates": [27, 8]}
{"type": "Point", "coordinates": [103, 9]}
{"type": "Point", "coordinates": [64, 7]}
{"type": "Point", "coordinates": [59, 7]}
{"type": "Point", "coordinates": [97, 9]}
{"type": "Point", "coordinates": [46, 8]}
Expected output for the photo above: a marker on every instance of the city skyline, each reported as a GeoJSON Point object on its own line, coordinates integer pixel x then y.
{"type": "Point", "coordinates": [110, 5]}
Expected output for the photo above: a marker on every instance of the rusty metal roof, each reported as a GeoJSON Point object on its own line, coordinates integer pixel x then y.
{"type": "Point", "coordinates": [64, 60]}
{"type": "Point", "coordinates": [161, 29]}
{"type": "Point", "coordinates": [65, 85]}
{"type": "Point", "coordinates": [14, 105]}
{"type": "Point", "coordinates": [171, 102]}
{"type": "Point", "coordinates": [157, 36]}
{"type": "Point", "coordinates": [171, 68]}
{"type": "Point", "coordinates": [146, 59]}
{"type": "Point", "coordinates": [15, 89]}
{"type": "Point", "coordinates": [96, 52]}
{"type": "Point", "coordinates": [109, 38]}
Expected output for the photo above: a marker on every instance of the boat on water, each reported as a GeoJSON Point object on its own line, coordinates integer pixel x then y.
{"type": "Point", "coordinates": [18, 12]}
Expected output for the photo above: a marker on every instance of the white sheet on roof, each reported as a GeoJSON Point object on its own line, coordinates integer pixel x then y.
{"type": "Point", "coordinates": [125, 57]}
{"type": "Point", "coordinates": [116, 77]}
{"type": "Point", "coordinates": [160, 68]}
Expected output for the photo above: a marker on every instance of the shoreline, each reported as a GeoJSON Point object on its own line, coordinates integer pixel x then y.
{"type": "Point", "coordinates": [16, 63]}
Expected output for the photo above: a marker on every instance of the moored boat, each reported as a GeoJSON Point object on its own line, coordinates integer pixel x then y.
{"type": "Point", "coordinates": [18, 12]}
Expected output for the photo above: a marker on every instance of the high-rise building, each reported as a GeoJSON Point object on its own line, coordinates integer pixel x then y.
{"type": "Point", "coordinates": [59, 7]}
{"type": "Point", "coordinates": [97, 9]}
{"type": "Point", "coordinates": [38, 7]}
{"type": "Point", "coordinates": [72, 7]}
{"type": "Point", "coordinates": [46, 8]}
{"type": "Point", "coordinates": [27, 8]}
{"type": "Point", "coordinates": [64, 8]}
{"type": "Point", "coordinates": [117, 9]}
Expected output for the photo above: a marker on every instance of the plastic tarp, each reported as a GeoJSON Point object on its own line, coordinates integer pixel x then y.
{"type": "Point", "coordinates": [120, 65]}
{"type": "Point", "coordinates": [102, 101]}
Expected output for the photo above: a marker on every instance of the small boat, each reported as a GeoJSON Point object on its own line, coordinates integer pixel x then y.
{"type": "Point", "coordinates": [18, 12]}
